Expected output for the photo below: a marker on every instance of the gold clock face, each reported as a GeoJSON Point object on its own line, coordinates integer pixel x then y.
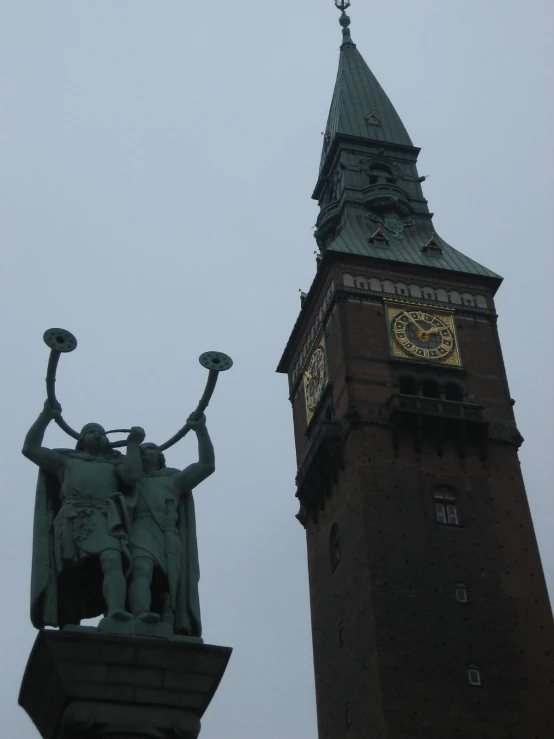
{"type": "Point", "coordinates": [424, 335]}
{"type": "Point", "coordinates": [315, 379]}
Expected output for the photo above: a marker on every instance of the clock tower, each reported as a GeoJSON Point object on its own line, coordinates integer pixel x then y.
{"type": "Point", "coordinates": [430, 612]}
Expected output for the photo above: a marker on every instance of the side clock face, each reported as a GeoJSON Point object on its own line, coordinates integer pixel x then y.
{"type": "Point", "coordinates": [423, 335]}
{"type": "Point", "coordinates": [314, 379]}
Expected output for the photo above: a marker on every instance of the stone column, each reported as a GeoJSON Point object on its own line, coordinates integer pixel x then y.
{"type": "Point", "coordinates": [84, 684]}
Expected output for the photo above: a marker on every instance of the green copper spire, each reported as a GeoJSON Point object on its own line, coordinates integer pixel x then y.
{"type": "Point", "coordinates": [369, 190]}
{"type": "Point", "coordinates": [360, 106]}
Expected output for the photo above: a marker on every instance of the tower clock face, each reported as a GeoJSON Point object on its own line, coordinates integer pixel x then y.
{"type": "Point", "coordinates": [425, 335]}
{"type": "Point", "coordinates": [315, 379]}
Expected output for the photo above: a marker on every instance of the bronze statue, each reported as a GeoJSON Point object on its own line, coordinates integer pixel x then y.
{"type": "Point", "coordinates": [80, 541]}
{"type": "Point", "coordinates": [103, 518]}
{"type": "Point", "coordinates": [163, 538]}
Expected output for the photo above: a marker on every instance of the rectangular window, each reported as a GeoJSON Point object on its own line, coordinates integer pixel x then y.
{"type": "Point", "coordinates": [447, 514]}
{"type": "Point", "coordinates": [452, 514]}
{"type": "Point", "coordinates": [461, 594]}
{"type": "Point", "coordinates": [348, 715]}
{"type": "Point", "coordinates": [441, 512]}
{"type": "Point", "coordinates": [474, 676]}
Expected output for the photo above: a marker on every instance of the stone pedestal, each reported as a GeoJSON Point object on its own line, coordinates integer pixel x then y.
{"type": "Point", "coordinates": [84, 684]}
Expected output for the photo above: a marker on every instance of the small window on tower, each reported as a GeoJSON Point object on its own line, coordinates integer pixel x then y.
{"type": "Point", "coordinates": [446, 508]}
{"type": "Point", "coordinates": [334, 547]}
{"type": "Point", "coordinates": [461, 592]}
{"type": "Point", "coordinates": [341, 635]}
{"type": "Point", "coordinates": [407, 385]}
{"type": "Point", "coordinates": [348, 715]}
{"type": "Point", "coordinates": [380, 174]}
{"type": "Point", "coordinates": [430, 389]}
{"type": "Point", "coordinates": [474, 675]}
{"type": "Point", "coordinates": [454, 392]}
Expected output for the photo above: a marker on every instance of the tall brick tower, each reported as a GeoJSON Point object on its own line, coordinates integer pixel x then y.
{"type": "Point", "coordinates": [429, 607]}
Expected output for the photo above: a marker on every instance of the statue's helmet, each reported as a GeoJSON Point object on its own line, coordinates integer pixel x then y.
{"type": "Point", "coordinates": [80, 446]}
{"type": "Point", "coordinates": [149, 447]}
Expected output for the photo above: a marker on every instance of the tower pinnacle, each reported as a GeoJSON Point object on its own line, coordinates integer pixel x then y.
{"type": "Point", "coordinates": [344, 20]}
{"type": "Point", "coordinates": [342, 5]}
{"type": "Point", "coordinates": [368, 189]}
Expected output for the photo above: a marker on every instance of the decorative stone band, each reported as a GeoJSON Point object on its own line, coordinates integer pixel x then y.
{"type": "Point", "coordinates": [415, 291]}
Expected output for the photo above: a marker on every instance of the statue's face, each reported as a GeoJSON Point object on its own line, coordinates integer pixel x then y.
{"type": "Point", "coordinates": [151, 458]}
{"type": "Point", "coordinates": [95, 439]}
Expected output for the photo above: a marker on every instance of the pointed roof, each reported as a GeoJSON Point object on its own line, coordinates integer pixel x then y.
{"type": "Point", "coordinates": [349, 222]}
{"type": "Point", "coordinates": [360, 106]}
{"type": "Point", "coordinates": [412, 247]}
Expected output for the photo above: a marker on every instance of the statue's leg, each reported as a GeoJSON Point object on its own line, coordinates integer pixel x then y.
{"type": "Point", "coordinates": [140, 596]}
{"type": "Point", "coordinates": [114, 588]}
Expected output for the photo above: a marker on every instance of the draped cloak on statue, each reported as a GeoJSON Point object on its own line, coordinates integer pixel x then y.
{"type": "Point", "coordinates": [72, 527]}
{"type": "Point", "coordinates": [164, 518]}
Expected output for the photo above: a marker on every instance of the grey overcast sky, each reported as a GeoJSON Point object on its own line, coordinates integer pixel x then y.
{"type": "Point", "coordinates": [158, 158]}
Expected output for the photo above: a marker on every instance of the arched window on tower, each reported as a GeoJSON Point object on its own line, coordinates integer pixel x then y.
{"type": "Point", "coordinates": [446, 507]}
{"type": "Point", "coordinates": [348, 715]}
{"type": "Point", "coordinates": [380, 174]}
{"type": "Point", "coordinates": [407, 385]}
{"type": "Point", "coordinates": [454, 392]}
{"type": "Point", "coordinates": [460, 592]}
{"type": "Point", "coordinates": [334, 547]}
{"type": "Point", "coordinates": [430, 389]}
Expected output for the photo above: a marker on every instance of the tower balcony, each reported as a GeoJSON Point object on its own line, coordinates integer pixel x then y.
{"type": "Point", "coordinates": [385, 195]}
{"type": "Point", "coordinates": [417, 405]}
{"type": "Point", "coordinates": [319, 469]}
{"type": "Point", "coordinates": [438, 419]}
{"type": "Point", "coordinates": [327, 222]}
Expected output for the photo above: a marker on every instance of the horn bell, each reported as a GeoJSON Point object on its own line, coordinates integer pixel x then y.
{"type": "Point", "coordinates": [215, 361]}
{"type": "Point", "coordinates": [60, 340]}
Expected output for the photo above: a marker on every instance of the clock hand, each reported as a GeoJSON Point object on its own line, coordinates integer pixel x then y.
{"type": "Point", "coordinates": [421, 333]}
{"type": "Point", "coordinates": [426, 335]}
{"type": "Point", "coordinates": [412, 320]}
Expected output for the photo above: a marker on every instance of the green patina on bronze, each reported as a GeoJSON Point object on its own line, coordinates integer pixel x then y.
{"type": "Point", "coordinates": [115, 534]}
{"type": "Point", "coordinates": [364, 132]}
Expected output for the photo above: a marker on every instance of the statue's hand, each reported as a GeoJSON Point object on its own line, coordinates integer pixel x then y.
{"type": "Point", "coordinates": [137, 435]}
{"type": "Point", "coordinates": [52, 411]}
{"type": "Point", "coordinates": [194, 425]}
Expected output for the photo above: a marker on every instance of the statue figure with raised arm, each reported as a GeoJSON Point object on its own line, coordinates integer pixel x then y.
{"type": "Point", "coordinates": [115, 534]}
{"type": "Point", "coordinates": [165, 573]}
{"type": "Point", "coordinates": [81, 525]}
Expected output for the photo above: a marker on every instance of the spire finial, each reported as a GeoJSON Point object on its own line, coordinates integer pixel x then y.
{"type": "Point", "coordinates": [343, 6]}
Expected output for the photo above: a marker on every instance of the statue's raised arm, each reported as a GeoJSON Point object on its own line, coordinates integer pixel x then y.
{"type": "Point", "coordinates": [164, 584]}
{"type": "Point", "coordinates": [47, 459]}
{"type": "Point", "coordinates": [81, 515]}
{"type": "Point", "coordinates": [197, 472]}
{"type": "Point", "coordinates": [100, 514]}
